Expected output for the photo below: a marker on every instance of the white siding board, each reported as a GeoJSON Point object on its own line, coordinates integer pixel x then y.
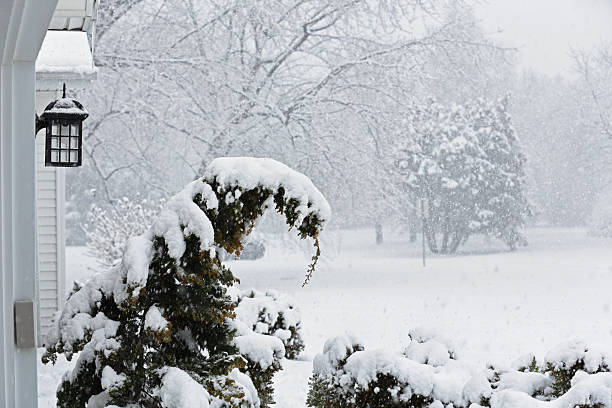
{"type": "Point", "coordinates": [50, 266]}
{"type": "Point", "coordinates": [48, 270]}
{"type": "Point", "coordinates": [48, 279]}
{"type": "Point", "coordinates": [48, 285]}
{"type": "Point", "coordinates": [48, 276]}
{"type": "Point", "coordinates": [47, 258]}
{"type": "Point", "coordinates": [46, 179]}
{"type": "Point", "coordinates": [45, 211]}
{"type": "Point", "coordinates": [47, 304]}
{"type": "Point", "coordinates": [48, 239]}
{"type": "Point", "coordinates": [46, 203]}
{"type": "Point", "coordinates": [49, 189]}
{"type": "Point", "coordinates": [47, 221]}
{"type": "Point", "coordinates": [49, 294]}
{"type": "Point", "coordinates": [47, 248]}
{"type": "Point", "coordinates": [45, 175]}
{"type": "Point", "coordinates": [46, 194]}
{"type": "Point", "coordinates": [47, 185]}
{"type": "Point", "coordinates": [47, 314]}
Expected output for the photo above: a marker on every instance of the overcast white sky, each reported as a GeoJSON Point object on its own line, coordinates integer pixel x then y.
{"type": "Point", "coordinates": [544, 30]}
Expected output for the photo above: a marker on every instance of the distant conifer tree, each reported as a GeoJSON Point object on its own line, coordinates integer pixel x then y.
{"type": "Point", "coordinates": [467, 164]}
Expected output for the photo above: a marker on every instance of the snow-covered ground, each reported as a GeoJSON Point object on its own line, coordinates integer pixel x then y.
{"type": "Point", "coordinates": [496, 305]}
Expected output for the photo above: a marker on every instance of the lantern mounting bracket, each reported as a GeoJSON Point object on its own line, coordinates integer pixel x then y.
{"type": "Point", "coordinates": [40, 124]}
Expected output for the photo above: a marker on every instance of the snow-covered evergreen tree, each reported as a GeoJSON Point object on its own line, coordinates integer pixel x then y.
{"type": "Point", "coordinates": [465, 162]}
{"type": "Point", "coordinates": [505, 198]}
{"type": "Point", "coordinates": [159, 329]}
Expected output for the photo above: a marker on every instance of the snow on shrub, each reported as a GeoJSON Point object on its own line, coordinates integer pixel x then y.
{"type": "Point", "coordinates": [326, 388]}
{"type": "Point", "coordinates": [484, 384]}
{"type": "Point", "coordinates": [108, 229]}
{"type": "Point", "coordinates": [273, 314]}
{"type": "Point", "coordinates": [159, 329]}
{"type": "Point", "coordinates": [429, 347]}
{"type": "Point", "coordinates": [565, 360]}
{"type": "Point", "coordinates": [426, 376]}
{"type": "Point", "coordinates": [589, 392]}
{"type": "Point", "coordinates": [349, 376]}
{"type": "Point", "coordinates": [263, 356]}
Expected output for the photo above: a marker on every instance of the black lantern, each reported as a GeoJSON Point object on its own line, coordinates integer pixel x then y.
{"type": "Point", "coordinates": [63, 119]}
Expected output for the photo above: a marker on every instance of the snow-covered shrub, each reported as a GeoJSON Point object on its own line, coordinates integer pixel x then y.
{"type": "Point", "coordinates": [484, 384]}
{"type": "Point", "coordinates": [273, 314]}
{"type": "Point", "coordinates": [554, 377]}
{"type": "Point", "coordinates": [326, 390]}
{"type": "Point", "coordinates": [428, 375]}
{"type": "Point", "coordinates": [108, 228]}
{"type": "Point", "coordinates": [159, 328]}
{"type": "Point", "coordinates": [572, 375]}
{"type": "Point", "coordinates": [587, 391]}
{"type": "Point", "coordinates": [263, 356]}
{"type": "Point", "coordinates": [564, 361]}
{"type": "Point", "coordinates": [429, 347]}
{"type": "Point", "coordinates": [354, 377]}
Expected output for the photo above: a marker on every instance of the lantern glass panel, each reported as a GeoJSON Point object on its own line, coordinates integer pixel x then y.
{"type": "Point", "coordinates": [64, 156]}
{"type": "Point", "coordinates": [54, 156]}
{"type": "Point", "coordinates": [74, 142]}
{"type": "Point", "coordinates": [54, 142]}
{"type": "Point", "coordinates": [55, 128]}
{"type": "Point", "coordinates": [74, 156]}
{"type": "Point", "coordinates": [64, 142]}
{"type": "Point", "coordinates": [65, 130]}
{"type": "Point", "coordinates": [74, 129]}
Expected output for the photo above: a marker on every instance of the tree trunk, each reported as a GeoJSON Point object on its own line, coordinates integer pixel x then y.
{"type": "Point", "coordinates": [413, 225]}
{"type": "Point", "coordinates": [379, 233]}
{"type": "Point", "coordinates": [458, 237]}
{"type": "Point", "coordinates": [430, 235]}
{"type": "Point", "coordinates": [444, 247]}
{"type": "Point", "coordinates": [413, 235]}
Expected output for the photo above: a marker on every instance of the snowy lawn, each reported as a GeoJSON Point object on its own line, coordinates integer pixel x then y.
{"type": "Point", "coordinates": [496, 305]}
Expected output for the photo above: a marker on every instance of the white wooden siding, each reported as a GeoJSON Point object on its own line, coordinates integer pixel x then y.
{"type": "Point", "coordinates": [50, 229]}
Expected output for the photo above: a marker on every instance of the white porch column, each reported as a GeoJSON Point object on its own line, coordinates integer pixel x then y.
{"type": "Point", "coordinates": [23, 24]}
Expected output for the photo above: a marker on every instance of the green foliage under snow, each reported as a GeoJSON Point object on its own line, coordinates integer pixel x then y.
{"type": "Point", "coordinates": [159, 329]}
{"type": "Point", "coordinates": [427, 374]}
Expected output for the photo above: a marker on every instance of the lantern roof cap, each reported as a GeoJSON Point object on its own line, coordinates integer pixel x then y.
{"type": "Point", "coordinates": [65, 108]}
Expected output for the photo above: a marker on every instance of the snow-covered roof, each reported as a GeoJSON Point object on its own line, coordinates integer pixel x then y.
{"type": "Point", "coordinates": [65, 56]}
